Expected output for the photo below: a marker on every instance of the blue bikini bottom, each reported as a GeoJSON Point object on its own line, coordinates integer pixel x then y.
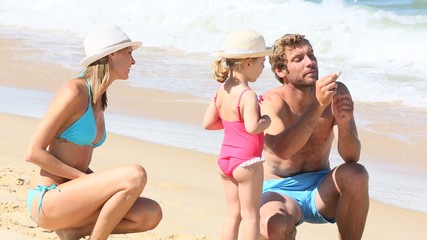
{"type": "Point", "coordinates": [32, 193]}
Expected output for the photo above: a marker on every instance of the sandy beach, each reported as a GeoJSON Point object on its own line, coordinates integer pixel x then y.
{"type": "Point", "coordinates": [184, 182]}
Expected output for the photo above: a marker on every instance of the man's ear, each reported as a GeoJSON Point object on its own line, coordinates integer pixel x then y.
{"type": "Point", "coordinates": [280, 72]}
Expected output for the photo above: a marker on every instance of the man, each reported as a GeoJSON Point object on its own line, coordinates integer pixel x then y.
{"type": "Point", "coordinates": [299, 185]}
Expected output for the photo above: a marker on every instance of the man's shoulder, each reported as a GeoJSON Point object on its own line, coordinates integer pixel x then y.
{"type": "Point", "coordinates": [274, 95]}
{"type": "Point", "coordinates": [273, 101]}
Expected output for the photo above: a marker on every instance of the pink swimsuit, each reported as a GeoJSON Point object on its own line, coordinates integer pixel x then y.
{"type": "Point", "coordinates": [239, 148]}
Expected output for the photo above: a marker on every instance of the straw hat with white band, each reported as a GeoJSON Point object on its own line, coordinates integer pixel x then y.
{"type": "Point", "coordinates": [104, 40]}
{"type": "Point", "coordinates": [245, 43]}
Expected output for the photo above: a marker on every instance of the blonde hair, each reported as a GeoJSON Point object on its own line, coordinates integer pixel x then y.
{"type": "Point", "coordinates": [223, 67]}
{"type": "Point", "coordinates": [99, 73]}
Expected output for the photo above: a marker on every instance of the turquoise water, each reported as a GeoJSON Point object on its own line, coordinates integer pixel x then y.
{"type": "Point", "coordinates": [401, 7]}
{"type": "Point", "coordinates": [404, 7]}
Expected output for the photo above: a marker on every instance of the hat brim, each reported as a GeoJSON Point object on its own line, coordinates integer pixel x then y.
{"type": "Point", "coordinates": [93, 58]}
{"type": "Point", "coordinates": [263, 53]}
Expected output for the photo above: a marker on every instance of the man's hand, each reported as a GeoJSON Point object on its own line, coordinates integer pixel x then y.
{"type": "Point", "coordinates": [326, 87]}
{"type": "Point", "coordinates": [342, 108]}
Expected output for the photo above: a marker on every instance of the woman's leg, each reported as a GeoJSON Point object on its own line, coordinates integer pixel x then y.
{"type": "Point", "coordinates": [98, 203]}
{"type": "Point", "coordinates": [144, 215]}
{"type": "Point", "coordinates": [230, 228]}
{"type": "Point", "coordinates": [250, 180]}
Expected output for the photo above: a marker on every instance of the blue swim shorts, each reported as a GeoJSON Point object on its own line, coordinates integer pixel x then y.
{"type": "Point", "coordinates": [302, 188]}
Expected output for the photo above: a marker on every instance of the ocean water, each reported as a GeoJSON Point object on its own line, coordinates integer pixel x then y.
{"type": "Point", "coordinates": [379, 46]}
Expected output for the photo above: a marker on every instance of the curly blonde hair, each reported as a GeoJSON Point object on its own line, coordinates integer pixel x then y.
{"type": "Point", "coordinates": [287, 42]}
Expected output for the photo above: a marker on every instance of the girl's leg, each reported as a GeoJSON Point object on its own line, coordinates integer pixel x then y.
{"type": "Point", "coordinates": [250, 180]}
{"type": "Point", "coordinates": [230, 229]}
{"type": "Point", "coordinates": [97, 202]}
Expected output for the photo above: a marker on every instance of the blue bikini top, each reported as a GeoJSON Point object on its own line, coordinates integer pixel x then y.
{"type": "Point", "coordinates": [84, 130]}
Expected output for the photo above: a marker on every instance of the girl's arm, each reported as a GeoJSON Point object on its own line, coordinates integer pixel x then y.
{"type": "Point", "coordinates": [211, 120]}
{"type": "Point", "coordinates": [254, 124]}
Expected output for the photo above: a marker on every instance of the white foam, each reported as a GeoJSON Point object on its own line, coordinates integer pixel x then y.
{"type": "Point", "coordinates": [380, 52]}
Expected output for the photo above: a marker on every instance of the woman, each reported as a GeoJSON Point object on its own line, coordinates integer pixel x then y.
{"type": "Point", "coordinates": [65, 195]}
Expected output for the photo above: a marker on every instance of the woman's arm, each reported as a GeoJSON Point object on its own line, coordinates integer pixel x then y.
{"type": "Point", "coordinates": [64, 105]}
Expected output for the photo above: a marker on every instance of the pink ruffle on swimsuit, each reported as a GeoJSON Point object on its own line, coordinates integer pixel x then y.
{"type": "Point", "coordinates": [239, 148]}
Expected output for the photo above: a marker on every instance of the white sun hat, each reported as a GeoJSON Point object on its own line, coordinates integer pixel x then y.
{"type": "Point", "coordinates": [244, 43]}
{"type": "Point", "coordinates": [103, 40]}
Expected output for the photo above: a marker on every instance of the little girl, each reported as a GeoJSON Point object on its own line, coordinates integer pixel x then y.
{"type": "Point", "coordinates": [235, 108]}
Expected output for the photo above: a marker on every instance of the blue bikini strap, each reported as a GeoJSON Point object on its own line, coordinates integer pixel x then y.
{"type": "Point", "coordinates": [43, 190]}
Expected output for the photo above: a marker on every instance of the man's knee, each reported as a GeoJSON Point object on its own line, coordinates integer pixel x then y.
{"type": "Point", "coordinates": [354, 175]}
{"type": "Point", "coordinates": [277, 226]}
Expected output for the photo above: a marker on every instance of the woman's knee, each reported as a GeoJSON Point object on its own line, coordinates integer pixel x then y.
{"type": "Point", "coordinates": [135, 177]}
{"type": "Point", "coordinates": [148, 216]}
{"type": "Point", "coordinates": [155, 216]}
